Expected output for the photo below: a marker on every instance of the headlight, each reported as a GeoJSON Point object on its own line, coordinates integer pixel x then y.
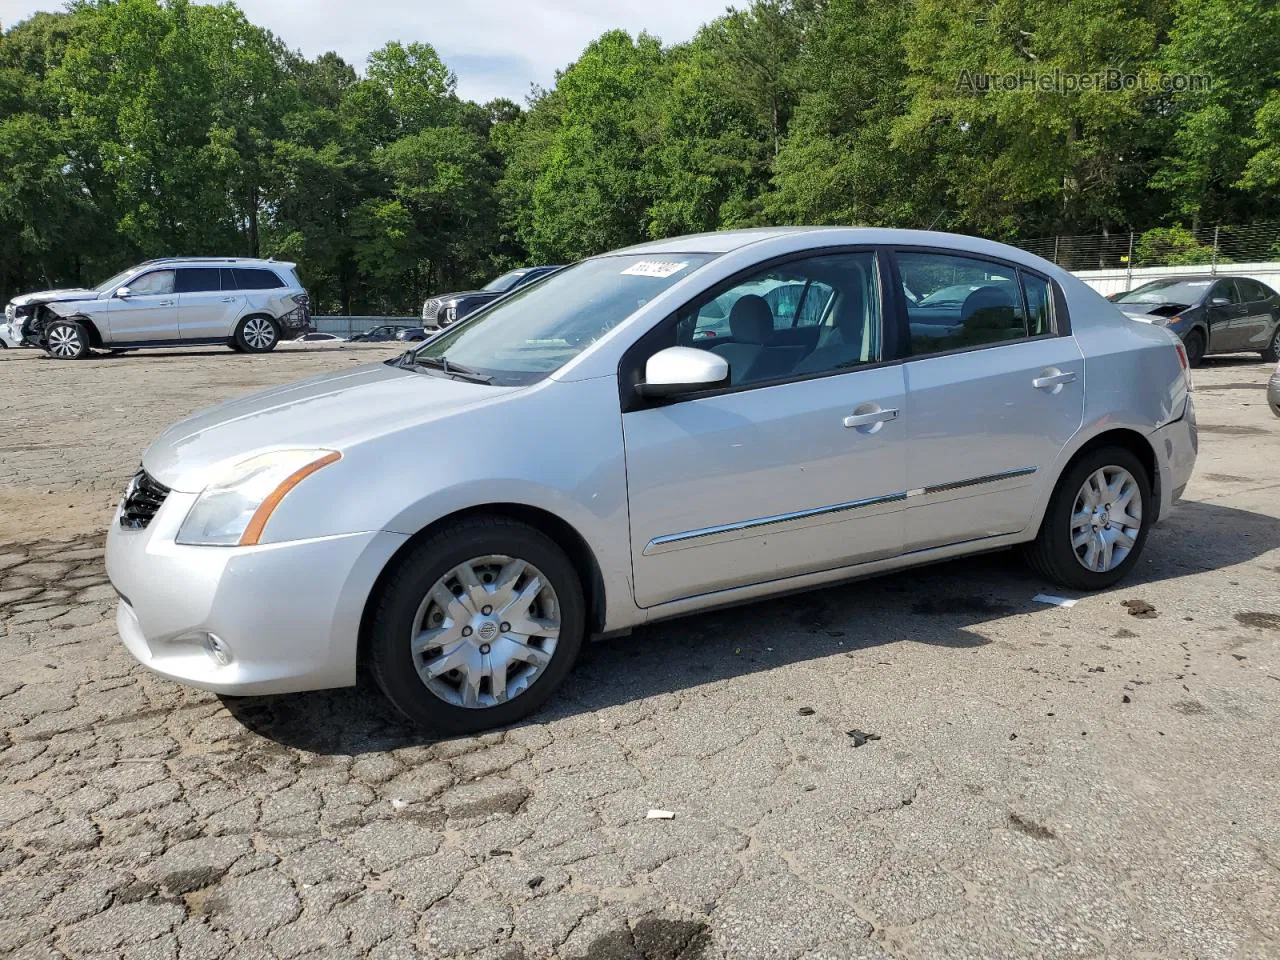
{"type": "Point", "coordinates": [235, 510]}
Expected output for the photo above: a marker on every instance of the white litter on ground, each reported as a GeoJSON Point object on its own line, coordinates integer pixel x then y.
{"type": "Point", "coordinates": [659, 815]}
{"type": "Point", "coordinates": [1056, 601]}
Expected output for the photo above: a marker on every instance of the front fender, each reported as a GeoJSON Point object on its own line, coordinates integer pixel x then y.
{"type": "Point", "coordinates": [555, 447]}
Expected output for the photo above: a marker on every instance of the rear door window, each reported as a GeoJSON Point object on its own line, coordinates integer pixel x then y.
{"type": "Point", "coordinates": [962, 302]}
{"type": "Point", "coordinates": [198, 280]}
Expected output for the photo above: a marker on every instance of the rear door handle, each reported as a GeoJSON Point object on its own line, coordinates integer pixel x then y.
{"type": "Point", "coordinates": [228, 299]}
{"type": "Point", "coordinates": [871, 418]}
{"type": "Point", "coordinates": [1053, 380]}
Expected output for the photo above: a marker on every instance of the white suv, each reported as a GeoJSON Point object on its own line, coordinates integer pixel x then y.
{"type": "Point", "coordinates": [248, 305]}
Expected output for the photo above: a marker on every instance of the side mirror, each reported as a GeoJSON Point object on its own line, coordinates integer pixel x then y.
{"type": "Point", "coordinates": [1220, 302]}
{"type": "Point", "coordinates": [124, 293]}
{"type": "Point", "coordinates": [679, 370]}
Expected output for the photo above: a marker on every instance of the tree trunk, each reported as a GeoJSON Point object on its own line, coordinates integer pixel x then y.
{"type": "Point", "coordinates": [254, 247]}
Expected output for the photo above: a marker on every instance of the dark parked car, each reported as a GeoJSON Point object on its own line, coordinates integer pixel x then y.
{"type": "Point", "coordinates": [1210, 314]}
{"type": "Point", "coordinates": [412, 334]}
{"type": "Point", "coordinates": [378, 334]}
{"type": "Point", "coordinates": [439, 312]}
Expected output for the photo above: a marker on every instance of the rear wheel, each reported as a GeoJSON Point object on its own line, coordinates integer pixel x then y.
{"type": "Point", "coordinates": [1272, 353]}
{"type": "Point", "coordinates": [67, 340]}
{"type": "Point", "coordinates": [1097, 521]}
{"type": "Point", "coordinates": [257, 335]}
{"type": "Point", "coordinates": [478, 626]}
{"type": "Point", "coordinates": [1195, 346]}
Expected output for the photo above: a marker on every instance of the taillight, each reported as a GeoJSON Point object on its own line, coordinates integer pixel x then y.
{"type": "Point", "coordinates": [1186, 364]}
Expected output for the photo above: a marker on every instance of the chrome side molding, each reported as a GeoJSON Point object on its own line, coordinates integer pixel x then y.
{"type": "Point", "coordinates": [742, 529]}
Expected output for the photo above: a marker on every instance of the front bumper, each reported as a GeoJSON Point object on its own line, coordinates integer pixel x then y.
{"type": "Point", "coordinates": [288, 613]}
{"type": "Point", "coordinates": [1176, 446]}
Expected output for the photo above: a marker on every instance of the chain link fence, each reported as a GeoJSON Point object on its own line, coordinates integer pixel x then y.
{"type": "Point", "coordinates": [1175, 246]}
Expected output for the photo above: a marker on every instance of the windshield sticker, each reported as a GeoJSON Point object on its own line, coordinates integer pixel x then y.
{"type": "Point", "coordinates": [1198, 283]}
{"type": "Point", "coordinates": [657, 269]}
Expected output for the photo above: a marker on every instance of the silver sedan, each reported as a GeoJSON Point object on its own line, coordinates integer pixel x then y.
{"type": "Point", "coordinates": [581, 458]}
{"type": "Point", "coordinates": [1273, 392]}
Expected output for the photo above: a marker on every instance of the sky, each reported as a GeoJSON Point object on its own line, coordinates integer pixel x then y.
{"type": "Point", "coordinates": [496, 47]}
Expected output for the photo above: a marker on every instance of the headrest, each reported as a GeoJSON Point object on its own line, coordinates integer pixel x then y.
{"type": "Point", "coordinates": [751, 320]}
{"type": "Point", "coordinates": [984, 299]}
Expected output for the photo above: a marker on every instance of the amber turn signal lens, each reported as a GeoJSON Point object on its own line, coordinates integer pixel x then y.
{"type": "Point", "coordinates": [258, 522]}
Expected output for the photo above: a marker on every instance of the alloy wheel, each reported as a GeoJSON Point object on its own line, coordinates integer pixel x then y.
{"type": "Point", "coordinates": [259, 333]}
{"type": "Point", "coordinates": [485, 631]}
{"type": "Point", "coordinates": [1106, 519]}
{"type": "Point", "coordinates": [64, 342]}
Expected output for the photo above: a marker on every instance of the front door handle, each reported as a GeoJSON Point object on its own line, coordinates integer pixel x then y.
{"type": "Point", "coordinates": [166, 303]}
{"type": "Point", "coordinates": [1053, 379]}
{"type": "Point", "coordinates": [870, 418]}
{"type": "Point", "coordinates": [228, 299]}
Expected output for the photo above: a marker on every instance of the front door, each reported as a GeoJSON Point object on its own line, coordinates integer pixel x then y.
{"type": "Point", "coordinates": [205, 310]}
{"type": "Point", "coordinates": [797, 466]}
{"type": "Point", "coordinates": [149, 313]}
{"type": "Point", "coordinates": [1227, 315]}
{"type": "Point", "coordinates": [995, 391]}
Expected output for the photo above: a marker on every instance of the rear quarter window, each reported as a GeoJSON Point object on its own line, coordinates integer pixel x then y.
{"type": "Point", "coordinates": [256, 279]}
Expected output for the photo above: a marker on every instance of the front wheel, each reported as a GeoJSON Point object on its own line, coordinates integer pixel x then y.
{"type": "Point", "coordinates": [257, 335]}
{"type": "Point", "coordinates": [1195, 346]}
{"type": "Point", "coordinates": [67, 340]}
{"type": "Point", "coordinates": [1272, 353]}
{"type": "Point", "coordinates": [1097, 521]}
{"type": "Point", "coordinates": [478, 626]}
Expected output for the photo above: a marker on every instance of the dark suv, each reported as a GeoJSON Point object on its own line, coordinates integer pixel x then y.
{"type": "Point", "coordinates": [439, 312]}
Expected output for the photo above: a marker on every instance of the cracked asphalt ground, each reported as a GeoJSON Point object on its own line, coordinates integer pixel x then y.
{"type": "Point", "coordinates": [1048, 782]}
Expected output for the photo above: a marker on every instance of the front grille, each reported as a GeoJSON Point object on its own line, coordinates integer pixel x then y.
{"type": "Point", "coordinates": [430, 309]}
{"type": "Point", "coordinates": [141, 500]}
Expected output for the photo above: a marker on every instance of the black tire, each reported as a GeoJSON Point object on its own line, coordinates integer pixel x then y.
{"type": "Point", "coordinates": [397, 604]}
{"type": "Point", "coordinates": [66, 340]}
{"type": "Point", "coordinates": [1051, 554]}
{"type": "Point", "coordinates": [1272, 353]}
{"type": "Point", "coordinates": [1195, 346]}
{"type": "Point", "coordinates": [257, 334]}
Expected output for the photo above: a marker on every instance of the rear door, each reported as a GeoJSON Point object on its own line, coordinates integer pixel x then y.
{"type": "Point", "coordinates": [1255, 320]}
{"type": "Point", "coordinates": [206, 310]}
{"type": "Point", "coordinates": [149, 314]}
{"type": "Point", "coordinates": [995, 391]}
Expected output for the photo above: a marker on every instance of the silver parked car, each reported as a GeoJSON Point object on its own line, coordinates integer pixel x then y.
{"type": "Point", "coordinates": [248, 305]}
{"type": "Point", "coordinates": [1273, 392]}
{"type": "Point", "coordinates": [608, 467]}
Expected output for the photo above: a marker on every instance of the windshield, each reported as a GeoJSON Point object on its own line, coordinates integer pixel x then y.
{"type": "Point", "coordinates": [1185, 292]}
{"type": "Point", "coordinates": [541, 327]}
{"type": "Point", "coordinates": [114, 282]}
{"type": "Point", "coordinates": [504, 282]}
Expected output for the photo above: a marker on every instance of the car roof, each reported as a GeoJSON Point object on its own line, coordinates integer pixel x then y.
{"type": "Point", "coordinates": [229, 261]}
{"type": "Point", "coordinates": [728, 241]}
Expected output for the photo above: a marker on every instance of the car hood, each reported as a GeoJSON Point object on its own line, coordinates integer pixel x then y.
{"type": "Point", "coordinates": [1150, 311]}
{"type": "Point", "coordinates": [53, 296]}
{"type": "Point", "coordinates": [445, 298]}
{"type": "Point", "coordinates": [332, 411]}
